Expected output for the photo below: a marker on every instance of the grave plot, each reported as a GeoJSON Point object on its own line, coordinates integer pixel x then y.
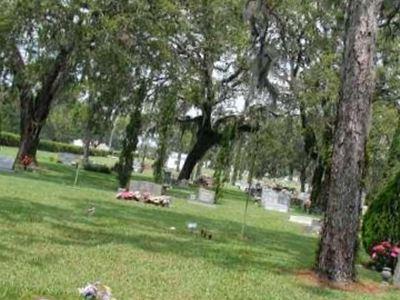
{"type": "Point", "coordinates": [146, 192]}
{"type": "Point", "coordinates": [274, 200]}
{"type": "Point", "coordinates": [203, 196]}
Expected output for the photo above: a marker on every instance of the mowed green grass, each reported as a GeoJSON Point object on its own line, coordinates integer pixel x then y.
{"type": "Point", "coordinates": [50, 247]}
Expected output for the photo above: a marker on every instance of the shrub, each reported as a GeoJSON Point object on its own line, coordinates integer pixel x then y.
{"type": "Point", "coordinates": [9, 139]}
{"type": "Point", "coordinates": [12, 140]}
{"type": "Point", "coordinates": [97, 168]}
{"type": "Point", "coordinates": [382, 220]}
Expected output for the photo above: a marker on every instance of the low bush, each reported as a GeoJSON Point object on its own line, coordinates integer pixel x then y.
{"type": "Point", "coordinates": [12, 140]}
{"type": "Point", "coordinates": [382, 220]}
{"type": "Point", "coordinates": [97, 168]}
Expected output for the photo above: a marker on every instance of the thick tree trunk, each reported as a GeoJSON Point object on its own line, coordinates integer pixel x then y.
{"type": "Point", "coordinates": [35, 109]}
{"type": "Point", "coordinates": [206, 139]}
{"type": "Point", "coordinates": [338, 245]}
{"type": "Point", "coordinates": [29, 141]}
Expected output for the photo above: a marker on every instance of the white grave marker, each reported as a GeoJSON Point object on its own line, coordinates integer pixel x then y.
{"type": "Point", "coordinates": [6, 164]}
{"type": "Point", "coordinates": [206, 196]}
{"type": "Point", "coordinates": [273, 200]}
{"type": "Point", "coordinates": [301, 220]}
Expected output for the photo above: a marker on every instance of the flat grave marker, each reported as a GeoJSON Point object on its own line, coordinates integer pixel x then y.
{"type": "Point", "coordinates": [303, 220]}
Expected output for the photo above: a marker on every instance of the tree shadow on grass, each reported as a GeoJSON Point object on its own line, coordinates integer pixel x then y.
{"type": "Point", "coordinates": [148, 229]}
{"type": "Point", "coordinates": [65, 175]}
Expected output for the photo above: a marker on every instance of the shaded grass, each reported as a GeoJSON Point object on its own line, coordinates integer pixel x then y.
{"type": "Point", "coordinates": [49, 246]}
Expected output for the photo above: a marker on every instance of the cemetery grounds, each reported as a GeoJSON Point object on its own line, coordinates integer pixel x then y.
{"type": "Point", "coordinates": [50, 246]}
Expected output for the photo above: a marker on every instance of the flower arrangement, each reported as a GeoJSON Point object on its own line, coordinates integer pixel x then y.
{"type": "Point", "coordinates": [385, 254]}
{"type": "Point", "coordinates": [96, 291]}
{"type": "Point", "coordinates": [26, 161]}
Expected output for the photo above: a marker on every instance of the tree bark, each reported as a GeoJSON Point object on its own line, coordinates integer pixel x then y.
{"type": "Point", "coordinates": [206, 139]}
{"type": "Point", "coordinates": [86, 146]}
{"type": "Point", "coordinates": [35, 109]}
{"type": "Point", "coordinates": [339, 242]}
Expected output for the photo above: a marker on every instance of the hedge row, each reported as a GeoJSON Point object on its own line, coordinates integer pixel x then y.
{"type": "Point", "coordinates": [12, 140]}
{"type": "Point", "coordinates": [97, 168]}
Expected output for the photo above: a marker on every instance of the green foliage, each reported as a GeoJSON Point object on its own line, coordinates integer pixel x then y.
{"type": "Point", "coordinates": [124, 166]}
{"type": "Point", "coordinates": [383, 144]}
{"type": "Point", "coordinates": [223, 160]}
{"type": "Point", "coordinates": [382, 220]}
{"type": "Point", "coordinates": [164, 125]}
{"type": "Point", "coordinates": [13, 140]}
{"type": "Point", "coordinates": [99, 168]}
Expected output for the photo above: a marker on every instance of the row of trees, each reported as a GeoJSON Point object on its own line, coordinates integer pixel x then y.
{"type": "Point", "coordinates": [197, 75]}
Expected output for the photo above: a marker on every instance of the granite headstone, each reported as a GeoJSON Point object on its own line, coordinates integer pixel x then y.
{"type": "Point", "coordinates": [6, 164]}
{"type": "Point", "coordinates": [146, 187]}
{"type": "Point", "coordinates": [274, 200]}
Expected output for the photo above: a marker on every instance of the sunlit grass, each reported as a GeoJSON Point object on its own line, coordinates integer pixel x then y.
{"type": "Point", "coordinates": [49, 246]}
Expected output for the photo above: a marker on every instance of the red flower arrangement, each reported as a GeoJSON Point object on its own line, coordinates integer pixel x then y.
{"type": "Point", "coordinates": [26, 161]}
{"type": "Point", "coordinates": [385, 254]}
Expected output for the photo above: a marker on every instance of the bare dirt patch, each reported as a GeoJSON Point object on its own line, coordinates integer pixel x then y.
{"type": "Point", "coordinates": [311, 278]}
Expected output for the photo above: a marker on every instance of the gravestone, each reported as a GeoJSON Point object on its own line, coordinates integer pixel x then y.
{"type": "Point", "coordinates": [203, 196]}
{"type": "Point", "coordinates": [274, 200]}
{"type": "Point", "coordinates": [6, 164]}
{"type": "Point", "coordinates": [68, 158]}
{"type": "Point", "coordinates": [146, 187]}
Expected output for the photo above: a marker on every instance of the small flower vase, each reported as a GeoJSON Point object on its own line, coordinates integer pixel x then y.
{"type": "Point", "coordinates": [386, 275]}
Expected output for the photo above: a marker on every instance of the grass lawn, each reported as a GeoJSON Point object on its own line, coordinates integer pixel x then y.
{"type": "Point", "coordinates": [50, 247]}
